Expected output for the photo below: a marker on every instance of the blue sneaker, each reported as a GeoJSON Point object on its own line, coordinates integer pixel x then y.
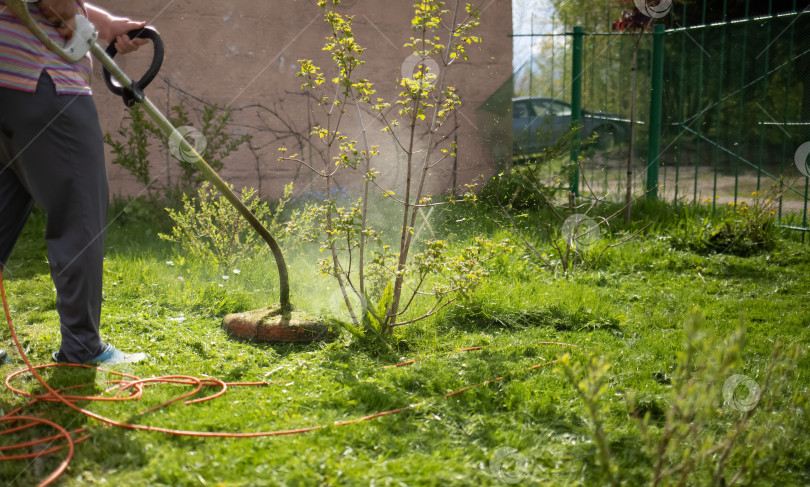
{"type": "Point", "coordinates": [109, 356]}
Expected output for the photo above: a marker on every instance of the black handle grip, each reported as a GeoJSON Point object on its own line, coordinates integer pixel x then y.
{"type": "Point", "coordinates": [136, 93]}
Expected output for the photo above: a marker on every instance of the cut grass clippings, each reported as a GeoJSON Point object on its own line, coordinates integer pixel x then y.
{"type": "Point", "coordinates": [529, 427]}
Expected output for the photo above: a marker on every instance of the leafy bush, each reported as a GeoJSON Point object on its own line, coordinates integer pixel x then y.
{"type": "Point", "coordinates": [532, 182]}
{"type": "Point", "coordinates": [553, 228]}
{"type": "Point", "coordinates": [132, 152]}
{"type": "Point", "coordinates": [745, 229]}
{"type": "Point", "coordinates": [714, 426]}
{"type": "Point", "coordinates": [591, 383]}
{"type": "Point", "coordinates": [713, 433]}
{"type": "Point", "coordinates": [219, 142]}
{"type": "Point", "coordinates": [514, 187]}
{"type": "Point", "coordinates": [210, 229]}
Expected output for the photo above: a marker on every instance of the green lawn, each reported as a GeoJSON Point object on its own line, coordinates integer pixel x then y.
{"type": "Point", "coordinates": [529, 429]}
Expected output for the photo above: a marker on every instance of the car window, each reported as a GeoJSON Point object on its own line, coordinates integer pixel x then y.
{"type": "Point", "coordinates": [560, 109]}
{"type": "Point", "coordinates": [520, 110]}
{"type": "Point", "coordinates": [540, 107]}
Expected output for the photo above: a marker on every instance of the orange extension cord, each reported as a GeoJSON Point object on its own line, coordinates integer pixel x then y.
{"type": "Point", "coordinates": [135, 385]}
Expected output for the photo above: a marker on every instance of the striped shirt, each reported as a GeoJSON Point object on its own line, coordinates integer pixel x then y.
{"type": "Point", "coordinates": [23, 57]}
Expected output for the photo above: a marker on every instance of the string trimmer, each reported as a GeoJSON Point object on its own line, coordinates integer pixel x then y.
{"type": "Point", "coordinates": [276, 324]}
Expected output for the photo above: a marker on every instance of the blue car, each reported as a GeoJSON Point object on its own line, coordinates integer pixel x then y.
{"type": "Point", "coordinates": [538, 123]}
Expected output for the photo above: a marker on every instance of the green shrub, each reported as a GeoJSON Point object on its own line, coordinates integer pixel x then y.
{"type": "Point", "coordinates": [591, 383]}
{"type": "Point", "coordinates": [744, 230]}
{"type": "Point", "coordinates": [132, 153]}
{"type": "Point", "coordinates": [713, 433]}
{"type": "Point", "coordinates": [516, 188]}
{"type": "Point", "coordinates": [714, 426]}
{"type": "Point", "coordinates": [533, 181]}
{"type": "Point", "coordinates": [139, 133]}
{"type": "Point", "coordinates": [209, 229]}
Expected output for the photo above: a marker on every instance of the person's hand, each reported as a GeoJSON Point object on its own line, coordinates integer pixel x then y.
{"type": "Point", "coordinates": [60, 13]}
{"type": "Point", "coordinates": [115, 30]}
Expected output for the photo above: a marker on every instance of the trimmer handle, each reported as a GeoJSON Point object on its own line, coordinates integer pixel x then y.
{"type": "Point", "coordinates": [134, 95]}
{"type": "Point", "coordinates": [79, 43]}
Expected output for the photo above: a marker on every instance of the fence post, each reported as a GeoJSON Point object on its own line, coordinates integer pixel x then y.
{"type": "Point", "coordinates": [576, 107]}
{"type": "Point", "coordinates": [656, 99]}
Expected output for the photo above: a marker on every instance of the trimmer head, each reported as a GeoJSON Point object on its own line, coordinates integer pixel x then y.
{"type": "Point", "coordinates": [272, 326]}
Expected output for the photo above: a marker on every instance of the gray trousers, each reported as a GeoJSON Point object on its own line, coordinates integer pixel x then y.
{"type": "Point", "coordinates": [52, 153]}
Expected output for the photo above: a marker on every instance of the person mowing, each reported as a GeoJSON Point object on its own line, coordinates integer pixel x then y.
{"type": "Point", "coordinates": [52, 154]}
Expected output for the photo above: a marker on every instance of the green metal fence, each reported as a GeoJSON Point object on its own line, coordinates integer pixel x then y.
{"type": "Point", "coordinates": [722, 107]}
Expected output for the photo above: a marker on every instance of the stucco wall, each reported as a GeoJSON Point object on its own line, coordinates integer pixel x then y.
{"type": "Point", "coordinates": [243, 53]}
